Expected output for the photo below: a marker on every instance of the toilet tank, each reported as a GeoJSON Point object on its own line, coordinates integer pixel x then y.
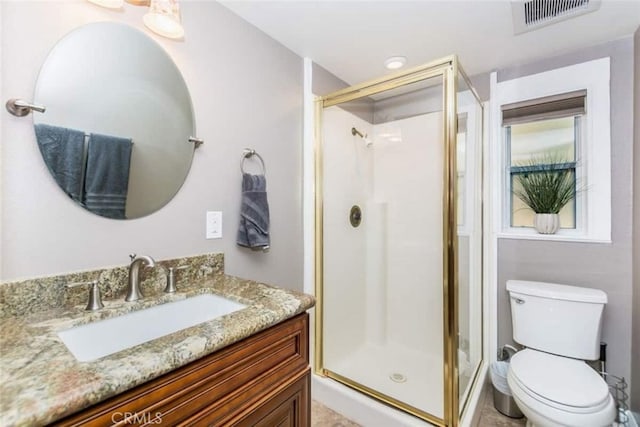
{"type": "Point", "coordinates": [559, 319]}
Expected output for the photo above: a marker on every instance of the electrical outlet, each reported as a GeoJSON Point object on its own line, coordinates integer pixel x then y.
{"type": "Point", "coordinates": [214, 224]}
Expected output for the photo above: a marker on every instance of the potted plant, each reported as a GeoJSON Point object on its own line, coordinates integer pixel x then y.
{"type": "Point", "coordinates": [546, 188]}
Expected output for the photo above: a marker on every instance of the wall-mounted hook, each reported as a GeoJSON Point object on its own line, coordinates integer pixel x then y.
{"type": "Point", "coordinates": [20, 107]}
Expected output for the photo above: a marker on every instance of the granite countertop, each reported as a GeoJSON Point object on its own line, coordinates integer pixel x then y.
{"type": "Point", "coordinates": [41, 381]}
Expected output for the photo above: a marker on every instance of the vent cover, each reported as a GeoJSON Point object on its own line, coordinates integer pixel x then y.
{"type": "Point", "coordinates": [532, 14]}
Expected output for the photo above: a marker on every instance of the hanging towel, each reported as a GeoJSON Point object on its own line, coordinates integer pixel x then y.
{"type": "Point", "coordinates": [62, 150]}
{"type": "Point", "coordinates": [253, 231]}
{"type": "Point", "coordinates": [107, 175]}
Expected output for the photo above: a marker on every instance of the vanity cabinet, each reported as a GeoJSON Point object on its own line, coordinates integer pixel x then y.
{"type": "Point", "coordinates": [263, 380]}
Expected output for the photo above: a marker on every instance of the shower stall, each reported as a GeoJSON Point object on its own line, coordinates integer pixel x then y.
{"type": "Point", "coordinates": [399, 239]}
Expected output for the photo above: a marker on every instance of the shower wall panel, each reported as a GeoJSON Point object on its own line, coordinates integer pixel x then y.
{"type": "Point", "coordinates": [408, 178]}
{"type": "Point", "coordinates": [383, 279]}
{"type": "Point", "coordinates": [347, 182]}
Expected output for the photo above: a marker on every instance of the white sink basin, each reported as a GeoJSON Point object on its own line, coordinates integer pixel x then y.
{"type": "Point", "coordinates": [95, 340]}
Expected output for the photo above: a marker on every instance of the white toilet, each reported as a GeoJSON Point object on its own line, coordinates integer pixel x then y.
{"type": "Point", "coordinates": [560, 327]}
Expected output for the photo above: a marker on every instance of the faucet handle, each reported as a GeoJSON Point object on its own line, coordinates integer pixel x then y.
{"type": "Point", "coordinates": [95, 298]}
{"type": "Point", "coordinates": [132, 257]}
{"type": "Point", "coordinates": [171, 278]}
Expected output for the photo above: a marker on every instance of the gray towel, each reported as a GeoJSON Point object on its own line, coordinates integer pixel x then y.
{"type": "Point", "coordinates": [62, 150]}
{"type": "Point", "coordinates": [253, 231]}
{"type": "Point", "coordinates": [107, 175]}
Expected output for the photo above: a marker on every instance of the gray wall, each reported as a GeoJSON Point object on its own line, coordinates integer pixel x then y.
{"type": "Point", "coordinates": [481, 83]}
{"type": "Point", "coordinates": [417, 102]}
{"type": "Point", "coordinates": [635, 343]}
{"type": "Point", "coordinates": [604, 266]}
{"type": "Point", "coordinates": [325, 83]}
{"type": "Point", "coordinates": [247, 92]}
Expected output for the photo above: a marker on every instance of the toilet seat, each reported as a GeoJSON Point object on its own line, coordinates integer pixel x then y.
{"type": "Point", "coordinates": [547, 398]}
{"type": "Point", "coordinates": [560, 382]}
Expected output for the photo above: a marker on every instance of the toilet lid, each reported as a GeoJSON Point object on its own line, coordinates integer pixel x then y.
{"type": "Point", "coordinates": [559, 379]}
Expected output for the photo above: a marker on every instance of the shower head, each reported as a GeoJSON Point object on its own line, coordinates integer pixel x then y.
{"type": "Point", "coordinates": [367, 141]}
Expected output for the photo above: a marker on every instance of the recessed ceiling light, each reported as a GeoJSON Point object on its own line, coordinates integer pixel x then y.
{"type": "Point", "coordinates": [395, 62]}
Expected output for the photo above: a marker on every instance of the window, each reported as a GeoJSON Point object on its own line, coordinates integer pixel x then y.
{"type": "Point", "coordinates": [558, 119]}
{"type": "Point", "coordinates": [543, 135]}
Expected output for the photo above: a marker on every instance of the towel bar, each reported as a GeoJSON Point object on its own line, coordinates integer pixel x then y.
{"type": "Point", "coordinates": [88, 135]}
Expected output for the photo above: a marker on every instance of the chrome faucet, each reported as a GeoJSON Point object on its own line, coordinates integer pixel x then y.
{"type": "Point", "coordinates": [133, 290]}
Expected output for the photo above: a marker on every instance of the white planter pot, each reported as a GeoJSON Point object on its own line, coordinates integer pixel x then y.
{"type": "Point", "coordinates": [546, 223]}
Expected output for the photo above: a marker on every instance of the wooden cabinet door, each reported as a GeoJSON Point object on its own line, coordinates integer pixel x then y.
{"type": "Point", "coordinates": [288, 408]}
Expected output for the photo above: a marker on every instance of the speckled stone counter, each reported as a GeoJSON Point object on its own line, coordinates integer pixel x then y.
{"type": "Point", "coordinates": [41, 381]}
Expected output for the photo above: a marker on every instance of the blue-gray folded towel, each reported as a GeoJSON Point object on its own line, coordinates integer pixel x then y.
{"type": "Point", "coordinates": [62, 150]}
{"type": "Point", "coordinates": [107, 175]}
{"type": "Point", "coordinates": [253, 231]}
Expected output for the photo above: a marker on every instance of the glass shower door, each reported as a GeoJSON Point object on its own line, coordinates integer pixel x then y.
{"type": "Point", "coordinates": [383, 161]}
{"type": "Point", "coordinates": [399, 240]}
{"type": "Point", "coordinates": [469, 219]}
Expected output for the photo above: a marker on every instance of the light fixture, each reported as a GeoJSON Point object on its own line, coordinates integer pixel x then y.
{"type": "Point", "coordinates": [395, 62]}
{"type": "Point", "coordinates": [111, 4]}
{"type": "Point", "coordinates": [164, 18]}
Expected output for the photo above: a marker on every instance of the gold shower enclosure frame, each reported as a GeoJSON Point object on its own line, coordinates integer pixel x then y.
{"type": "Point", "coordinates": [449, 69]}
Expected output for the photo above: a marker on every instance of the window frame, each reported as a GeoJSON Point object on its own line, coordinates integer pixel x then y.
{"type": "Point", "coordinates": [593, 154]}
{"type": "Point", "coordinates": [578, 170]}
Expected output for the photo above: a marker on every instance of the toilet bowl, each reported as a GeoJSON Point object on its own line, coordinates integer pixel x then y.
{"type": "Point", "coordinates": [554, 391]}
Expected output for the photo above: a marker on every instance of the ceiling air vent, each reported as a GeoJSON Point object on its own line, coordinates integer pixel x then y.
{"type": "Point", "coordinates": [533, 14]}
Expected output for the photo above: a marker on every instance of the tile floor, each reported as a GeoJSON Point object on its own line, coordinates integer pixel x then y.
{"type": "Point", "coordinates": [490, 417]}
{"type": "Point", "coordinates": [321, 416]}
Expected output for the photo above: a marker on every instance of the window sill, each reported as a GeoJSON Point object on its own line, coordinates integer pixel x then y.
{"type": "Point", "coordinates": [533, 235]}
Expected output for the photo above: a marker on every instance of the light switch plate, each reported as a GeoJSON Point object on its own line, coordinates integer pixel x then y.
{"type": "Point", "coordinates": [214, 224]}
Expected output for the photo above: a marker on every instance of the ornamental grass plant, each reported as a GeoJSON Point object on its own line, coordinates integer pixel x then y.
{"type": "Point", "coordinates": [547, 186]}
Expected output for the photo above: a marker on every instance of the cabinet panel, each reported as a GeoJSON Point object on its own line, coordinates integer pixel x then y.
{"type": "Point", "coordinates": [287, 405]}
{"type": "Point", "coordinates": [221, 385]}
{"type": "Point", "coordinates": [290, 408]}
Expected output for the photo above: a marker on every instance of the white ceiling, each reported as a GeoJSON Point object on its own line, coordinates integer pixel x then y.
{"type": "Point", "coordinates": [353, 38]}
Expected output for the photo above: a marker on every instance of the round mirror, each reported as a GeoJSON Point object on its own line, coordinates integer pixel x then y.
{"type": "Point", "coordinates": [115, 134]}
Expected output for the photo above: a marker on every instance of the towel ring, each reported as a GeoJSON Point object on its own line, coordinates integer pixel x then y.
{"type": "Point", "coordinates": [250, 152]}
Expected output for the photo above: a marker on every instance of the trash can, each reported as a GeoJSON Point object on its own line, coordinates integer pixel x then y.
{"type": "Point", "coordinates": [502, 398]}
